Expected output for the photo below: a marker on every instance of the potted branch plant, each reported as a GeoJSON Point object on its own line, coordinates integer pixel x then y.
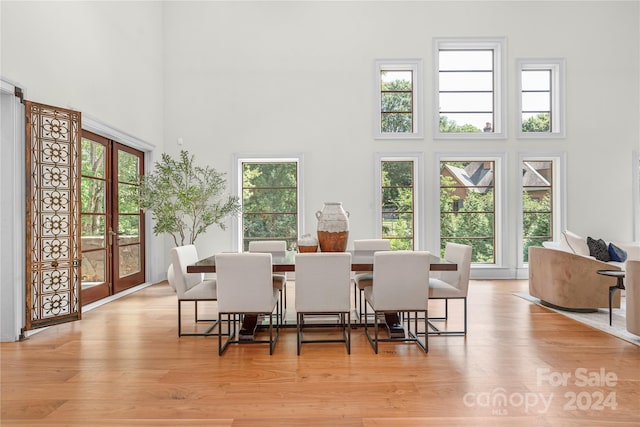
{"type": "Point", "coordinates": [185, 199]}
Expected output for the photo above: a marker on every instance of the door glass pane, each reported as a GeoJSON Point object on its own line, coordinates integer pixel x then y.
{"type": "Point", "coordinates": [93, 232]}
{"type": "Point", "coordinates": [93, 268]}
{"type": "Point", "coordinates": [128, 199]}
{"type": "Point", "coordinates": [128, 167]}
{"type": "Point", "coordinates": [128, 215]}
{"type": "Point", "coordinates": [93, 216]}
{"type": "Point", "coordinates": [129, 257]}
{"type": "Point", "coordinates": [93, 195]}
{"type": "Point", "coordinates": [128, 229]}
{"type": "Point", "coordinates": [93, 158]}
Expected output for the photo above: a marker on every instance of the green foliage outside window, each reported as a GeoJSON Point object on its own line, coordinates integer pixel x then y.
{"type": "Point", "coordinates": [450, 126]}
{"type": "Point", "coordinates": [270, 202]}
{"type": "Point", "coordinates": [537, 123]}
{"type": "Point", "coordinates": [397, 203]}
{"type": "Point", "coordinates": [92, 188]}
{"type": "Point", "coordinates": [397, 103]}
{"type": "Point", "coordinates": [536, 221]}
{"type": "Point", "coordinates": [472, 224]}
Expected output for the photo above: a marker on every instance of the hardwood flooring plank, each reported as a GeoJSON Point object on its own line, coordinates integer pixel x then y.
{"type": "Point", "coordinates": [123, 364]}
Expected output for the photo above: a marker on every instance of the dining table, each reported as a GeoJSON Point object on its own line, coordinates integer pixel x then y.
{"type": "Point", "coordinates": [285, 261]}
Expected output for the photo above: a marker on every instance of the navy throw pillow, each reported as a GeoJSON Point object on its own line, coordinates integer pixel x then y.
{"type": "Point", "coordinates": [598, 249]}
{"type": "Point", "coordinates": [617, 254]}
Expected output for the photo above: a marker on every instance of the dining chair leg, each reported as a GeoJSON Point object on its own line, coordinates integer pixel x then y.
{"type": "Point", "coordinates": [299, 321]}
{"type": "Point", "coordinates": [348, 337]}
{"type": "Point", "coordinates": [179, 318]}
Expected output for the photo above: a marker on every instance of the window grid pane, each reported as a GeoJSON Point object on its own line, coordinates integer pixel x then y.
{"type": "Point", "coordinates": [467, 207]}
{"type": "Point", "coordinates": [397, 101]}
{"type": "Point", "coordinates": [466, 84]}
{"type": "Point", "coordinates": [537, 204]}
{"type": "Point", "coordinates": [270, 202]}
{"type": "Point", "coordinates": [537, 100]}
{"type": "Point", "coordinates": [398, 203]}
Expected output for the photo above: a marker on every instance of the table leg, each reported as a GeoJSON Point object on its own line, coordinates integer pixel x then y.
{"type": "Point", "coordinates": [612, 289]}
{"type": "Point", "coordinates": [394, 325]}
{"type": "Point", "coordinates": [248, 328]}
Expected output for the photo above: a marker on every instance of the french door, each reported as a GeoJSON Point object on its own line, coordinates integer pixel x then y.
{"type": "Point", "coordinates": [112, 225]}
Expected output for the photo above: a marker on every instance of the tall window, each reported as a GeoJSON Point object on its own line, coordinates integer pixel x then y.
{"type": "Point", "coordinates": [537, 204]}
{"type": "Point", "coordinates": [398, 109]}
{"type": "Point", "coordinates": [269, 201]}
{"type": "Point", "coordinates": [540, 96]}
{"type": "Point", "coordinates": [469, 88]}
{"type": "Point", "coordinates": [468, 206]}
{"type": "Point", "coordinates": [398, 202]}
{"type": "Point", "coordinates": [543, 200]}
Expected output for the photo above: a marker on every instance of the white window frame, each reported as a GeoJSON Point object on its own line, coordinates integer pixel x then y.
{"type": "Point", "coordinates": [498, 45]}
{"type": "Point", "coordinates": [559, 191]}
{"type": "Point", "coordinates": [236, 188]}
{"type": "Point", "coordinates": [500, 174]}
{"type": "Point", "coordinates": [558, 91]}
{"type": "Point", "coordinates": [418, 175]}
{"type": "Point", "coordinates": [414, 65]}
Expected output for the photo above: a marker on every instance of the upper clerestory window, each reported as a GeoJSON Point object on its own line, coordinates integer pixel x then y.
{"type": "Point", "coordinates": [469, 88]}
{"type": "Point", "coordinates": [541, 98]}
{"type": "Point", "coordinates": [398, 103]}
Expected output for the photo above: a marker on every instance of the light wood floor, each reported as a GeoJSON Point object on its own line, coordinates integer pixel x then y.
{"type": "Point", "coordinates": [123, 364]}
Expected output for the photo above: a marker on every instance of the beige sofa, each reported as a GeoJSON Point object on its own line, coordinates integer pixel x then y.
{"type": "Point", "coordinates": [632, 282]}
{"type": "Point", "coordinates": [565, 280]}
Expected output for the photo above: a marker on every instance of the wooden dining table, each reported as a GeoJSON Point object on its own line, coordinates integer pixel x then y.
{"type": "Point", "coordinates": [286, 261]}
{"type": "Point", "coordinates": [283, 262]}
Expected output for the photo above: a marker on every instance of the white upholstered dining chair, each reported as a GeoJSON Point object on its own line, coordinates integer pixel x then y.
{"type": "Point", "coordinates": [400, 285]}
{"type": "Point", "coordinates": [275, 248]}
{"type": "Point", "coordinates": [323, 282]}
{"type": "Point", "coordinates": [362, 279]}
{"type": "Point", "coordinates": [245, 287]}
{"type": "Point", "coordinates": [446, 285]}
{"type": "Point", "coordinates": [190, 286]}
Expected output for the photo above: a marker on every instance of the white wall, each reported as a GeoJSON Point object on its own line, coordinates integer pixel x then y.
{"type": "Point", "coordinates": [233, 78]}
{"type": "Point", "coordinates": [263, 77]}
{"type": "Point", "coordinates": [101, 58]}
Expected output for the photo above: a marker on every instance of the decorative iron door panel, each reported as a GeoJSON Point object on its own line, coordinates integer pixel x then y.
{"type": "Point", "coordinates": [53, 215]}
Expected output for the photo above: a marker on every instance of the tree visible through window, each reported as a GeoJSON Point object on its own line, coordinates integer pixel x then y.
{"type": "Point", "coordinates": [270, 202]}
{"type": "Point", "coordinates": [537, 214]}
{"type": "Point", "coordinates": [466, 87]}
{"type": "Point", "coordinates": [540, 94]}
{"type": "Point", "coordinates": [398, 203]}
{"type": "Point", "coordinates": [398, 108]}
{"type": "Point", "coordinates": [467, 207]}
{"type": "Point", "coordinates": [397, 101]}
{"type": "Point", "coordinates": [536, 100]}
{"type": "Point", "coordinates": [469, 88]}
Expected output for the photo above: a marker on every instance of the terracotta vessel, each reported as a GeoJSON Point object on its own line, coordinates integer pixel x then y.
{"type": "Point", "coordinates": [333, 227]}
